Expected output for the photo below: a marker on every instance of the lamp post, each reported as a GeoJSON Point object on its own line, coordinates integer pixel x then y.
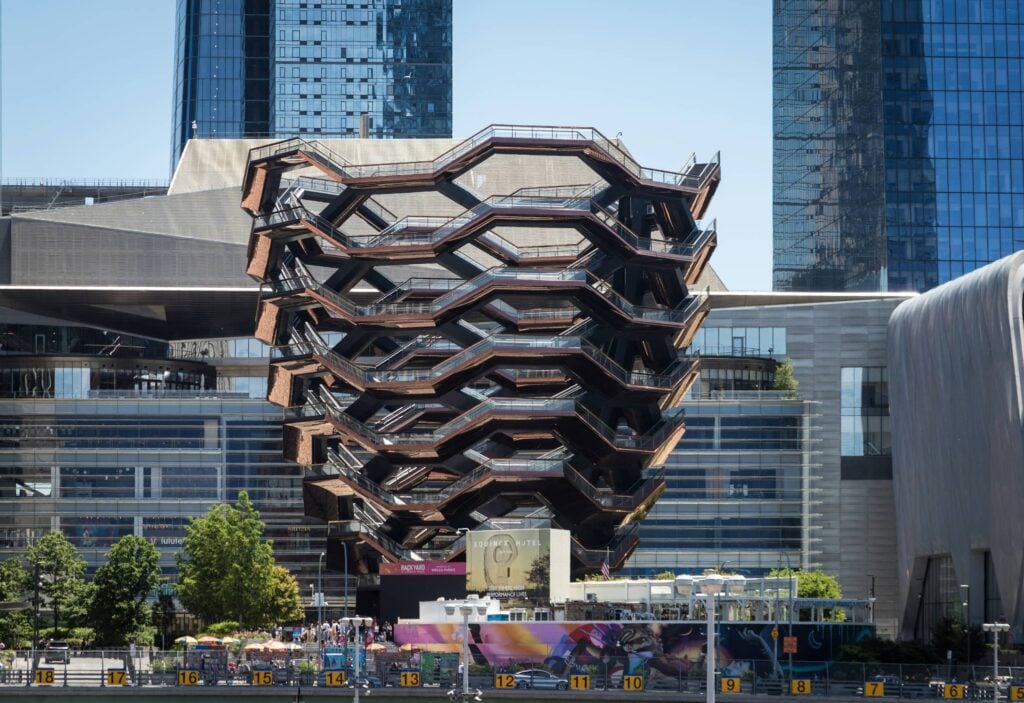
{"type": "Point", "coordinates": [967, 624]}
{"type": "Point", "coordinates": [356, 623]}
{"type": "Point", "coordinates": [871, 597]}
{"type": "Point", "coordinates": [320, 591]}
{"type": "Point", "coordinates": [466, 609]}
{"type": "Point", "coordinates": [995, 628]}
{"type": "Point", "coordinates": [789, 570]}
{"type": "Point", "coordinates": [711, 586]}
{"type": "Point", "coordinates": [344, 550]}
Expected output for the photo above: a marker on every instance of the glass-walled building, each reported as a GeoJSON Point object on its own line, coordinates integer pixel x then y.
{"type": "Point", "coordinates": [105, 435]}
{"type": "Point", "coordinates": [739, 488]}
{"type": "Point", "coordinates": [898, 141]}
{"type": "Point", "coordinates": [250, 68]}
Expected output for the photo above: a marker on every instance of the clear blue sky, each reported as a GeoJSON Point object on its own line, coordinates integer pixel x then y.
{"type": "Point", "coordinates": [87, 90]}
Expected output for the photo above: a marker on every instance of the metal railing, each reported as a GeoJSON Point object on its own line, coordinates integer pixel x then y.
{"type": "Point", "coordinates": [692, 178]}
{"type": "Point", "coordinates": [616, 669]}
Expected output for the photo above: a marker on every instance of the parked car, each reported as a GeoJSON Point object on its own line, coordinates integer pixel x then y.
{"type": "Point", "coordinates": [368, 680]}
{"type": "Point", "coordinates": [57, 652]}
{"type": "Point", "coordinates": [538, 678]}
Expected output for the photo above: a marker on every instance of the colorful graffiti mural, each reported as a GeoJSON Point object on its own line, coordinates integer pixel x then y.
{"type": "Point", "coordinates": [670, 648]}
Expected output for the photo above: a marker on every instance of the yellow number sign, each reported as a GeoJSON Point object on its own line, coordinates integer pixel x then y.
{"type": "Point", "coordinates": [335, 678]}
{"type": "Point", "coordinates": [409, 679]}
{"type": "Point", "coordinates": [632, 683]}
{"type": "Point", "coordinates": [874, 689]}
{"type": "Point", "coordinates": [730, 685]}
{"type": "Point", "coordinates": [188, 677]}
{"type": "Point", "coordinates": [1017, 693]}
{"type": "Point", "coordinates": [579, 681]}
{"type": "Point", "coordinates": [504, 681]}
{"type": "Point", "coordinates": [953, 690]}
{"type": "Point", "coordinates": [800, 687]}
{"type": "Point", "coordinates": [44, 677]}
{"type": "Point", "coordinates": [116, 677]}
{"type": "Point", "coordinates": [263, 678]}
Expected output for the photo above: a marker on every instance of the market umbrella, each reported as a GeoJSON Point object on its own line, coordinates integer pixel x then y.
{"type": "Point", "coordinates": [230, 640]}
{"type": "Point", "coordinates": [275, 646]}
{"type": "Point", "coordinates": [408, 647]}
{"type": "Point", "coordinates": [255, 646]}
{"type": "Point", "coordinates": [376, 647]}
{"type": "Point", "coordinates": [186, 640]}
{"type": "Point", "coordinates": [293, 647]}
{"type": "Point", "coordinates": [208, 639]}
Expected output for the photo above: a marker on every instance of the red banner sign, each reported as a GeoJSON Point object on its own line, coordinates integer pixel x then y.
{"type": "Point", "coordinates": [424, 568]}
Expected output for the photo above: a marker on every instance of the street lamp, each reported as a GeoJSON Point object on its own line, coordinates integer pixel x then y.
{"type": "Point", "coordinates": [710, 586]}
{"type": "Point", "coordinates": [356, 623]}
{"type": "Point", "coordinates": [871, 599]}
{"type": "Point", "coordinates": [344, 550]}
{"type": "Point", "coordinates": [967, 625]}
{"type": "Point", "coordinates": [466, 609]}
{"type": "Point", "coordinates": [320, 591]}
{"type": "Point", "coordinates": [995, 628]}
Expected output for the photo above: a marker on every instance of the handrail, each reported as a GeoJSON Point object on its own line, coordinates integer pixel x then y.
{"type": "Point", "coordinates": [424, 230]}
{"type": "Point", "coordinates": [669, 423]}
{"type": "Point", "coordinates": [309, 342]}
{"type": "Point", "coordinates": [496, 131]}
{"type": "Point", "coordinates": [299, 274]}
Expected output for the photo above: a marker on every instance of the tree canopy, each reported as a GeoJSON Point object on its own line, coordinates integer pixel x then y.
{"type": "Point", "coordinates": [15, 628]}
{"type": "Point", "coordinates": [815, 584]}
{"type": "Point", "coordinates": [61, 569]}
{"type": "Point", "coordinates": [227, 569]}
{"type": "Point", "coordinates": [785, 379]}
{"type": "Point", "coordinates": [118, 609]}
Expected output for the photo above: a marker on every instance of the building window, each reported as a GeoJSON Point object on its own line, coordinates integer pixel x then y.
{"type": "Point", "coordinates": [865, 411]}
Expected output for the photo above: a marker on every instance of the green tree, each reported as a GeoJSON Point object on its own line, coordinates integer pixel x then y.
{"type": "Point", "coordinates": [163, 612]}
{"type": "Point", "coordinates": [15, 628]}
{"type": "Point", "coordinates": [283, 603]}
{"type": "Point", "coordinates": [227, 569]}
{"type": "Point", "coordinates": [879, 651]}
{"type": "Point", "coordinates": [118, 609]}
{"type": "Point", "coordinates": [814, 584]}
{"type": "Point", "coordinates": [785, 379]}
{"type": "Point", "coordinates": [950, 635]}
{"type": "Point", "coordinates": [60, 569]}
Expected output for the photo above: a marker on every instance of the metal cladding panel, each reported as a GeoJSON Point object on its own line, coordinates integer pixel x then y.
{"type": "Point", "coordinates": [211, 215]}
{"type": "Point", "coordinates": [56, 253]}
{"type": "Point", "coordinates": [958, 446]}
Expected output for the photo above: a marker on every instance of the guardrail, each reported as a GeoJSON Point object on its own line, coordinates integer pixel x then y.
{"type": "Point", "coordinates": [613, 670]}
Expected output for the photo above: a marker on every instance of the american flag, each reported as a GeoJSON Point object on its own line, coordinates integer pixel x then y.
{"type": "Point", "coordinates": [605, 569]}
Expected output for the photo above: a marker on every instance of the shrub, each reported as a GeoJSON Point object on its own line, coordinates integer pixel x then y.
{"type": "Point", "coordinates": [225, 627]}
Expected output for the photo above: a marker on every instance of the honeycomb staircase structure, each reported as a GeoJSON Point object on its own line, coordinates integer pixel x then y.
{"type": "Point", "coordinates": [515, 354]}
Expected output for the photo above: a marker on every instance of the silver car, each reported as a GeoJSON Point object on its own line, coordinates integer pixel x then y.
{"type": "Point", "coordinates": [538, 678]}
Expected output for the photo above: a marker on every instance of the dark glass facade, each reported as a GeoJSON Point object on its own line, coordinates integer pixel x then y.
{"type": "Point", "coordinates": [899, 141]}
{"type": "Point", "coordinates": [287, 67]}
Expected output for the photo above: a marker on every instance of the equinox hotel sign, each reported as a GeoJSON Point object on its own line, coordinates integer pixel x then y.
{"type": "Point", "coordinates": [530, 564]}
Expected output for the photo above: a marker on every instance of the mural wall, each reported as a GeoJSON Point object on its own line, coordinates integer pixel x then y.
{"type": "Point", "coordinates": [669, 648]}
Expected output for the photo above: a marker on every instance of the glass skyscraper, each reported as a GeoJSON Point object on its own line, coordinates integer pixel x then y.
{"type": "Point", "coordinates": [899, 141]}
{"type": "Point", "coordinates": [246, 68]}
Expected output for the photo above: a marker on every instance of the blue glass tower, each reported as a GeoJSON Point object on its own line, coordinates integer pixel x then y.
{"type": "Point", "coordinates": [248, 68]}
{"type": "Point", "coordinates": [899, 141]}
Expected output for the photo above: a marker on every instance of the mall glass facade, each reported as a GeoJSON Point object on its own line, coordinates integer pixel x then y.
{"type": "Point", "coordinates": [291, 67]}
{"type": "Point", "coordinates": [105, 435]}
{"type": "Point", "coordinates": [738, 488]}
{"type": "Point", "coordinates": [898, 141]}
